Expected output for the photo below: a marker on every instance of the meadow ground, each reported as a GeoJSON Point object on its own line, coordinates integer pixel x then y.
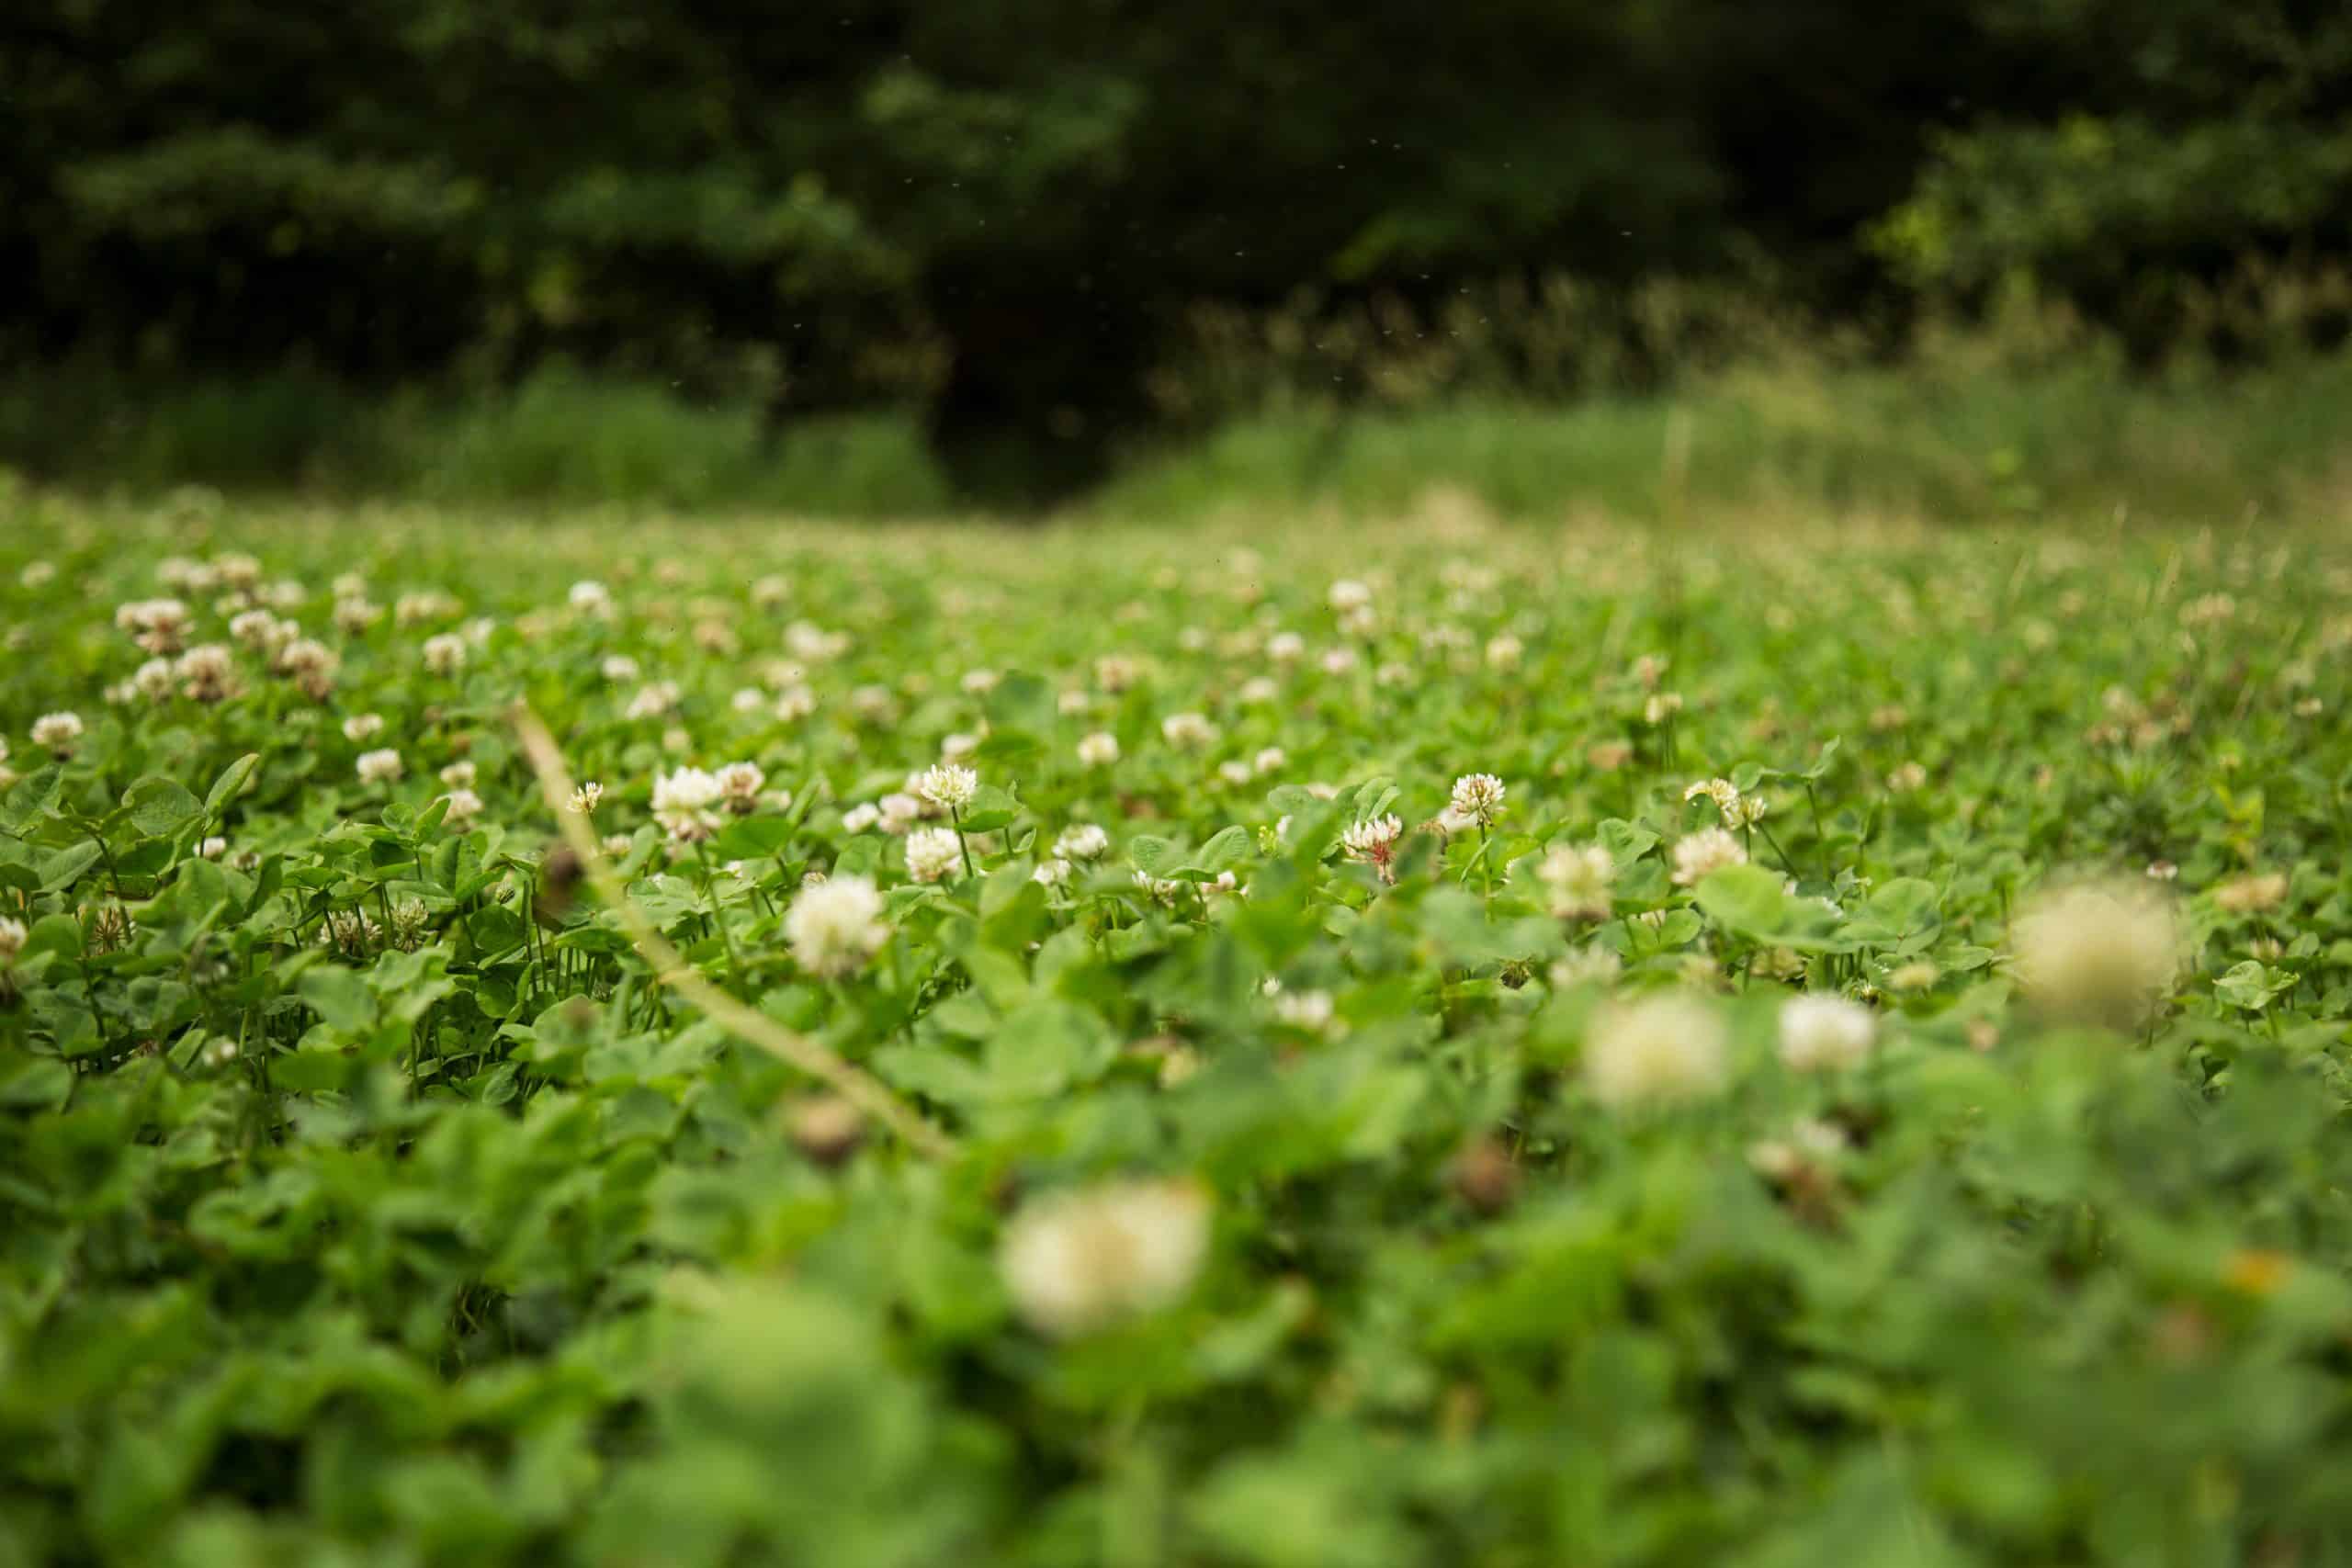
{"type": "Point", "coordinates": [1293, 1042]}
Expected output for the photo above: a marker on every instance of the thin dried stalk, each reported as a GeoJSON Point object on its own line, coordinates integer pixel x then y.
{"type": "Point", "coordinates": [859, 1088]}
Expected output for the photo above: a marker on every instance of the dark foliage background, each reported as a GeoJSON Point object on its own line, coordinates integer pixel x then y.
{"type": "Point", "coordinates": [1004, 211]}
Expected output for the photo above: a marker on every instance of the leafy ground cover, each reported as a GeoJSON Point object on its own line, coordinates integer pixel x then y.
{"type": "Point", "coordinates": [1442, 1044]}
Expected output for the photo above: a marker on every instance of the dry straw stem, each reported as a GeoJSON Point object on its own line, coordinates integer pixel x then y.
{"type": "Point", "coordinates": [671, 968]}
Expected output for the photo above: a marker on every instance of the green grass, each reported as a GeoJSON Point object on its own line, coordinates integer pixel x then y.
{"type": "Point", "coordinates": [1950, 440]}
{"type": "Point", "coordinates": [1300, 1171]}
{"type": "Point", "coordinates": [1942, 445]}
{"type": "Point", "coordinates": [557, 439]}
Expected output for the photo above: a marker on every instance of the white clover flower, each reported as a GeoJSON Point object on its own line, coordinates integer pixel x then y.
{"type": "Point", "coordinates": [616, 846]}
{"type": "Point", "coordinates": [157, 626]}
{"type": "Point", "coordinates": [13, 936]}
{"type": "Point", "coordinates": [958, 745]}
{"type": "Point", "coordinates": [1285, 647]}
{"type": "Point", "coordinates": [900, 811]}
{"type": "Point", "coordinates": [1590, 965]}
{"type": "Point", "coordinates": [1478, 797]}
{"type": "Point", "coordinates": [1708, 849]}
{"type": "Point", "coordinates": [207, 673]}
{"type": "Point", "coordinates": [444, 653]}
{"type": "Point", "coordinates": [619, 668]}
{"type": "Point", "coordinates": [812, 644]}
{"type": "Point", "coordinates": [1099, 750]}
{"type": "Point", "coordinates": [652, 701]}
{"type": "Point", "coordinates": [1660, 707]}
{"type": "Point", "coordinates": [1347, 594]}
{"type": "Point", "coordinates": [1075, 1262]}
{"type": "Point", "coordinates": [460, 775]}
{"type": "Point", "coordinates": [860, 817]}
{"type": "Point", "coordinates": [682, 803]}
{"type": "Point", "coordinates": [354, 614]}
{"type": "Point", "coordinates": [1269, 759]}
{"type": "Point", "coordinates": [1260, 690]}
{"type": "Point", "coordinates": [1164, 890]}
{"type": "Point", "coordinates": [1339, 660]}
{"type": "Point", "coordinates": [379, 767]}
{"type": "Point", "coordinates": [835, 926]}
{"type": "Point", "coordinates": [1188, 729]}
{"type": "Point", "coordinates": [464, 806]}
{"type": "Point", "coordinates": [1082, 840]}
{"type": "Point", "coordinates": [257, 629]}
{"type": "Point", "coordinates": [1811, 1142]}
{"type": "Point", "coordinates": [1234, 771]}
{"type": "Point", "coordinates": [981, 682]}
{"type": "Point", "coordinates": [1578, 882]}
{"type": "Point", "coordinates": [1115, 673]}
{"type": "Point", "coordinates": [796, 703]}
{"type": "Point", "coordinates": [1071, 703]}
{"type": "Point", "coordinates": [1823, 1034]}
{"type": "Point", "coordinates": [362, 727]}
{"type": "Point", "coordinates": [1660, 1050]}
{"type": "Point", "coordinates": [1504, 651]}
{"type": "Point", "coordinates": [1312, 1011]}
{"type": "Point", "coordinates": [1373, 842]}
{"type": "Point", "coordinates": [413, 609]}
{"type": "Point", "coordinates": [2098, 954]}
{"type": "Point", "coordinates": [57, 733]}
{"type": "Point", "coordinates": [948, 786]}
{"type": "Point", "coordinates": [933, 854]}
{"type": "Point", "coordinates": [2252, 894]}
{"type": "Point", "coordinates": [309, 664]}
{"type": "Point", "coordinates": [1908, 779]}
{"type": "Point", "coordinates": [1736, 809]}
{"type": "Point", "coordinates": [588, 597]}
{"type": "Point", "coordinates": [1051, 873]}
{"type": "Point", "coordinates": [739, 787]}
{"type": "Point", "coordinates": [153, 680]}
{"type": "Point", "coordinates": [38, 574]}
{"type": "Point", "coordinates": [586, 798]}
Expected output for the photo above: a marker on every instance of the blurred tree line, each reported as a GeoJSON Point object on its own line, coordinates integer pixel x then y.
{"type": "Point", "coordinates": [1005, 209]}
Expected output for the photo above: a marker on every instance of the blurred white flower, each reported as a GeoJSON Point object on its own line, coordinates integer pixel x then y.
{"type": "Point", "coordinates": [1075, 1262]}
{"type": "Point", "coordinates": [1188, 729]}
{"type": "Point", "coordinates": [1822, 1033]}
{"type": "Point", "coordinates": [57, 733]}
{"type": "Point", "coordinates": [2098, 954]}
{"type": "Point", "coordinates": [1082, 840]}
{"type": "Point", "coordinates": [739, 787]}
{"type": "Point", "coordinates": [1708, 849]}
{"type": "Point", "coordinates": [683, 802]}
{"type": "Point", "coordinates": [1659, 1050]}
{"type": "Point", "coordinates": [835, 926]}
{"type": "Point", "coordinates": [1577, 882]}
{"type": "Point", "coordinates": [444, 653]}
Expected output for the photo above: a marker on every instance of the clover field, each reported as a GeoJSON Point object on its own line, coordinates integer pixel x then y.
{"type": "Point", "coordinates": [622, 1041]}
